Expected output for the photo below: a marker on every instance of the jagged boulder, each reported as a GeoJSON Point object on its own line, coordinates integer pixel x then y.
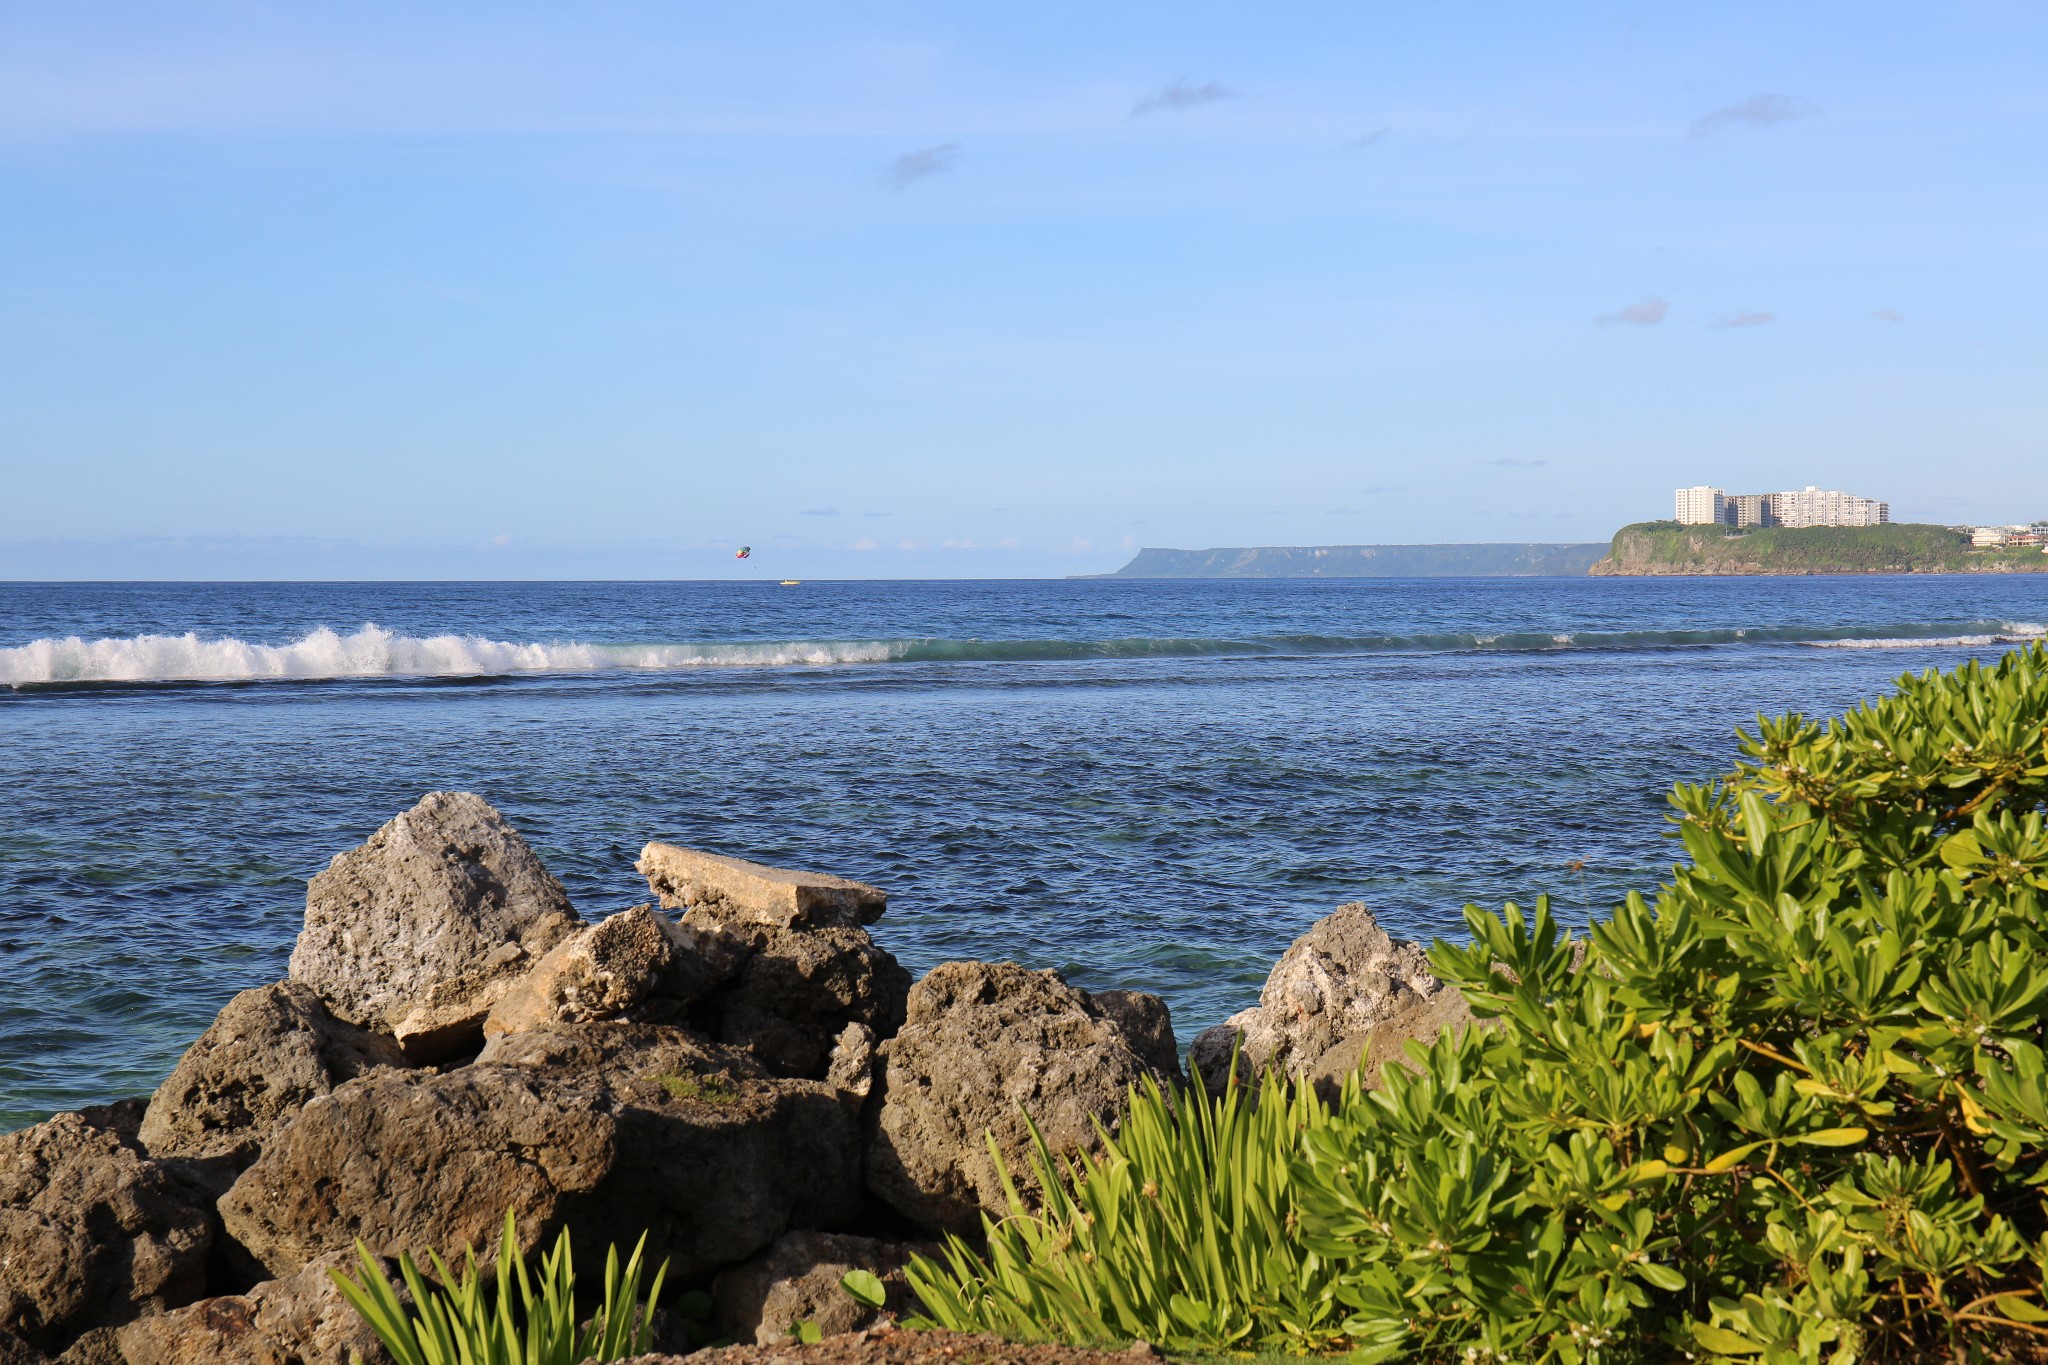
{"type": "Point", "coordinates": [803, 965]}
{"type": "Point", "coordinates": [715, 1157]}
{"type": "Point", "coordinates": [736, 891]}
{"type": "Point", "coordinates": [637, 964]}
{"type": "Point", "coordinates": [92, 1233]}
{"type": "Point", "coordinates": [297, 1321]}
{"type": "Point", "coordinates": [420, 930]}
{"type": "Point", "coordinates": [411, 1163]}
{"type": "Point", "coordinates": [797, 1280]}
{"type": "Point", "coordinates": [982, 1044]}
{"type": "Point", "coordinates": [266, 1054]}
{"type": "Point", "coordinates": [1344, 992]}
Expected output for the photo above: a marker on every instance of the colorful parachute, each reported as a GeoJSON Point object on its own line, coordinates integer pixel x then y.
{"type": "Point", "coordinates": [743, 552]}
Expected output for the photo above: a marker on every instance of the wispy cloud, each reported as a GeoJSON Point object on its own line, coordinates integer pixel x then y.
{"type": "Point", "coordinates": [1889, 315]}
{"type": "Point", "coordinates": [878, 514]}
{"type": "Point", "coordinates": [1371, 139]}
{"type": "Point", "coordinates": [1179, 96]}
{"type": "Point", "coordinates": [1750, 320]}
{"type": "Point", "coordinates": [819, 512]}
{"type": "Point", "coordinates": [1758, 111]}
{"type": "Point", "coordinates": [1512, 463]}
{"type": "Point", "coordinates": [923, 164]}
{"type": "Point", "coordinates": [1647, 313]}
{"type": "Point", "coordinates": [864, 543]}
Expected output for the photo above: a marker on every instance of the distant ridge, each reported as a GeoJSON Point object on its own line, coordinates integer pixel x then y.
{"type": "Point", "coordinates": [1366, 561]}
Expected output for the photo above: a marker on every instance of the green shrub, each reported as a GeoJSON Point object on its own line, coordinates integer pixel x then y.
{"type": "Point", "coordinates": [460, 1321]}
{"type": "Point", "coordinates": [1792, 1110]}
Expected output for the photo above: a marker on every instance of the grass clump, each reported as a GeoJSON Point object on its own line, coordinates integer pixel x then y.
{"type": "Point", "coordinates": [1793, 1110]}
{"type": "Point", "coordinates": [704, 1089]}
{"type": "Point", "coordinates": [515, 1318]}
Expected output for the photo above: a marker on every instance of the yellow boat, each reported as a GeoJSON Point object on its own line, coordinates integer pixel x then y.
{"type": "Point", "coordinates": [791, 582]}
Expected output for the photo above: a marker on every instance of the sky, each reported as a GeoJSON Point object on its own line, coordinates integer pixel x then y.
{"type": "Point", "coordinates": [511, 290]}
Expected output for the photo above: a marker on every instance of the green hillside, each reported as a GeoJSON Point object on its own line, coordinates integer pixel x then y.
{"type": "Point", "coordinates": [1666, 547]}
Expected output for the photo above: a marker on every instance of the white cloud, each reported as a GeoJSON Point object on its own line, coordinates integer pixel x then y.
{"type": "Point", "coordinates": [1647, 313]}
{"type": "Point", "coordinates": [1178, 96]}
{"type": "Point", "coordinates": [1758, 111]}
{"type": "Point", "coordinates": [911, 167]}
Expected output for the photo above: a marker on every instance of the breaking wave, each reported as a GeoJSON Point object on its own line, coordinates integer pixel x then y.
{"type": "Point", "coordinates": [375, 652]}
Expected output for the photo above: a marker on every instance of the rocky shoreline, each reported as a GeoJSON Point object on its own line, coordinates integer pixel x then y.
{"type": "Point", "coordinates": [736, 1069]}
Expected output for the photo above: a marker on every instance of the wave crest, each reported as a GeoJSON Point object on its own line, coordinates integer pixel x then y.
{"type": "Point", "coordinates": [373, 651]}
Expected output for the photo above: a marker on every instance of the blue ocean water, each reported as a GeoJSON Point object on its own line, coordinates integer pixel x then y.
{"type": "Point", "coordinates": [1146, 784]}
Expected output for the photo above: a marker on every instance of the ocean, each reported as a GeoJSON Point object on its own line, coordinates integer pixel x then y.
{"type": "Point", "coordinates": [1147, 784]}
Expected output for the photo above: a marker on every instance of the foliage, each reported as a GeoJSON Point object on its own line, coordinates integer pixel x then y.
{"type": "Point", "coordinates": [1793, 1109]}
{"type": "Point", "coordinates": [461, 1321]}
{"type": "Point", "coordinates": [1898, 547]}
{"type": "Point", "coordinates": [865, 1288]}
{"type": "Point", "coordinates": [706, 1089]}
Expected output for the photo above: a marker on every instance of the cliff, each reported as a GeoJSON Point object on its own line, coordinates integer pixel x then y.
{"type": "Point", "coordinates": [1365, 561]}
{"type": "Point", "coordinates": [1666, 547]}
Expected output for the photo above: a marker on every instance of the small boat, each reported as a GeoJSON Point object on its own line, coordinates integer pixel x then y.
{"type": "Point", "coordinates": [791, 582]}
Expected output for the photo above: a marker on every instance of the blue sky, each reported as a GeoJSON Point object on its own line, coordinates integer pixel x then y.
{"type": "Point", "coordinates": [524, 290]}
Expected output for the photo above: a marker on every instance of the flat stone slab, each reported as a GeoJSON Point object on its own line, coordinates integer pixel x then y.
{"type": "Point", "coordinates": [738, 891]}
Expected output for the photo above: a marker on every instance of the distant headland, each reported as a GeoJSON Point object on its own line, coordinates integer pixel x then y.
{"type": "Point", "coordinates": [1715, 548]}
{"type": "Point", "coordinates": [1366, 561]}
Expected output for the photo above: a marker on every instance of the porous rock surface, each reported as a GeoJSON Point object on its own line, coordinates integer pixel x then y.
{"type": "Point", "coordinates": [418, 931]}
{"type": "Point", "coordinates": [302, 1320]}
{"type": "Point", "coordinates": [267, 1053]}
{"type": "Point", "coordinates": [802, 965]}
{"type": "Point", "coordinates": [797, 1280]}
{"type": "Point", "coordinates": [736, 891]}
{"type": "Point", "coordinates": [1344, 991]}
{"type": "Point", "coordinates": [983, 1043]}
{"type": "Point", "coordinates": [637, 964]}
{"type": "Point", "coordinates": [411, 1163]}
{"type": "Point", "coordinates": [92, 1233]}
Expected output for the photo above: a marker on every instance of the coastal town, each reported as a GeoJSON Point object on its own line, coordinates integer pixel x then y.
{"type": "Point", "coordinates": [1705, 505]}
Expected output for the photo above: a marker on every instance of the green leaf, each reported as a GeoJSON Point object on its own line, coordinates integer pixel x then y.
{"type": "Point", "coordinates": [1662, 1276]}
{"type": "Point", "coordinates": [1724, 1342]}
{"type": "Point", "coordinates": [2019, 1309]}
{"type": "Point", "coordinates": [808, 1332]}
{"type": "Point", "coordinates": [1729, 1160]}
{"type": "Point", "coordinates": [1834, 1137]}
{"type": "Point", "coordinates": [865, 1287]}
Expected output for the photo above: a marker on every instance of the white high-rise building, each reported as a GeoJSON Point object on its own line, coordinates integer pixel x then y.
{"type": "Point", "coordinates": [1811, 506]}
{"type": "Point", "coordinates": [1701, 506]}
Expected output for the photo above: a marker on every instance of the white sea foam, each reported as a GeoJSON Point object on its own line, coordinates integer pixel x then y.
{"type": "Point", "coordinates": [373, 651]}
{"type": "Point", "coordinates": [2009, 633]}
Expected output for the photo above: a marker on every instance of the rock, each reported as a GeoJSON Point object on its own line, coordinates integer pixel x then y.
{"type": "Point", "coordinates": [412, 1163]}
{"type": "Point", "coordinates": [621, 1053]}
{"type": "Point", "coordinates": [636, 964]}
{"type": "Point", "coordinates": [15, 1351]}
{"type": "Point", "coordinates": [797, 990]}
{"type": "Point", "coordinates": [92, 1233]}
{"type": "Point", "coordinates": [266, 1054]}
{"type": "Point", "coordinates": [740, 892]}
{"type": "Point", "coordinates": [418, 931]}
{"type": "Point", "coordinates": [100, 1346]}
{"type": "Point", "coordinates": [609, 1129]}
{"type": "Point", "coordinates": [851, 1067]}
{"type": "Point", "coordinates": [123, 1118]}
{"type": "Point", "coordinates": [714, 1169]}
{"type": "Point", "coordinates": [1149, 1025]}
{"type": "Point", "coordinates": [280, 1322]}
{"type": "Point", "coordinates": [798, 1280]}
{"type": "Point", "coordinates": [1343, 991]}
{"type": "Point", "coordinates": [983, 1044]}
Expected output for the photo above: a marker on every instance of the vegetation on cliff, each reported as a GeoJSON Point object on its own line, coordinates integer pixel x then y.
{"type": "Point", "coordinates": [1791, 1108]}
{"type": "Point", "coordinates": [1667, 547]}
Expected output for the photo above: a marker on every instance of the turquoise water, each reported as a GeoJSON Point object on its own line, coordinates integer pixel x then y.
{"type": "Point", "coordinates": [1146, 784]}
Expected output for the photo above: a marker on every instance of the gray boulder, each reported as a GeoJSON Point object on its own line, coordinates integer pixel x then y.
{"type": "Point", "coordinates": [803, 967]}
{"type": "Point", "coordinates": [412, 1163]}
{"type": "Point", "coordinates": [982, 1045]}
{"type": "Point", "coordinates": [296, 1321]}
{"type": "Point", "coordinates": [1344, 992]}
{"type": "Point", "coordinates": [266, 1054]}
{"type": "Point", "coordinates": [797, 1280]}
{"type": "Point", "coordinates": [637, 964]}
{"type": "Point", "coordinates": [419, 931]}
{"type": "Point", "coordinates": [92, 1234]}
